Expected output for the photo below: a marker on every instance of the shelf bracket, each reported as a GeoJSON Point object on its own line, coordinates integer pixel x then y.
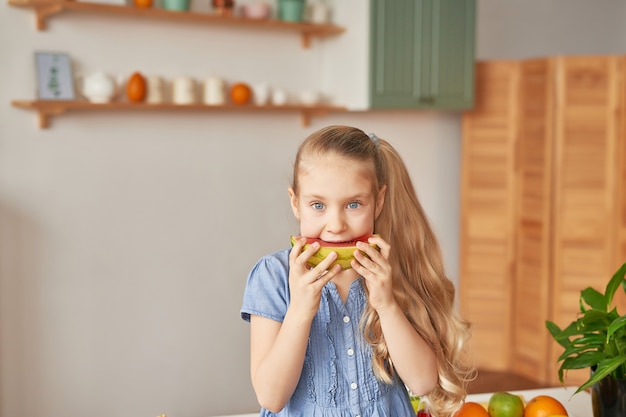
{"type": "Point", "coordinates": [42, 12]}
{"type": "Point", "coordinates": [44, 115]}
{"type": "Point", "coordinates": [305, 117]}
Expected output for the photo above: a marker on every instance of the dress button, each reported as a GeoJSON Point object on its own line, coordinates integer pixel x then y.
{"type": "Point", "coordinates": [353, 385]}
{"type": "Point", "coordinates": [346, 319]}
{"type": "Point", "coordinates": [350, 352]}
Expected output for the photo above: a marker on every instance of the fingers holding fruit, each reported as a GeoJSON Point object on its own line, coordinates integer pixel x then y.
{"type": "Point", "coordinates": [306, 282]}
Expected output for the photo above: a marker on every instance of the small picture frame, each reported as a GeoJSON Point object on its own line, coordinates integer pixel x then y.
{"type": "Point", "coordinates": [55, 80]}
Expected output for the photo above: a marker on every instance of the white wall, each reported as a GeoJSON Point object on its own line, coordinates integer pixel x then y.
{"type": "Point", "coordinates": [125, 239]}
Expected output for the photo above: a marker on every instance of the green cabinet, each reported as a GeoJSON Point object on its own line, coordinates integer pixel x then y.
{"type": "Point", "coordinates": [422, 54]}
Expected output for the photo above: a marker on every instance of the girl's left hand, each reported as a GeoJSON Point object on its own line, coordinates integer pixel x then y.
{"type": "Point", "coordinates": [376, 271]}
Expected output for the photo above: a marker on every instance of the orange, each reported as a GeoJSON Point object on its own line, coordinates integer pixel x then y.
{"type": "Point", "coordinates": [240, 93]}
{"type": "Point", "coordinates": [136, 87]}
{"type": "Point", "coordinates": [544, 406]}
{"type": "Point", "coordinates": [142, 3]}
{"type": "Point", "coordinates": [471, 409]}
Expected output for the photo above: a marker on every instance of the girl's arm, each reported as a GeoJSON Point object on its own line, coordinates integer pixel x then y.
{"type": "Point", "coordinates": [413, 359]}
{"type": "Point", "coordinates": [277, 355]}
{"type": "Point", "coordinates": [278, 349]}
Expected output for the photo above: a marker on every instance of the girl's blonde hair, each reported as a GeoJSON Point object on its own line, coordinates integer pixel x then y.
{"type": "Point", "coordinates": [420, 285]}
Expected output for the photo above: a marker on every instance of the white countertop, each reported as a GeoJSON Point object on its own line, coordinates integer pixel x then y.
{"type": "Point", "coordinates": [242, 415]}
{"type": "Point", "coordinates": [578, 405]}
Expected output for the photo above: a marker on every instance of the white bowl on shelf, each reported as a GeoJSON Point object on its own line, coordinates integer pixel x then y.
{"type": "Point", "coordinates": [309, 98]}
{"type": "Point", "coordinates": [259, 10]}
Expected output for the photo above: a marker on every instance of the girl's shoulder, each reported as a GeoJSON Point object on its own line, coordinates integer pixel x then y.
{"type": "Point", "coordinates": [274, 263]}
{"type": "Point", "coordinates": [267, 288]}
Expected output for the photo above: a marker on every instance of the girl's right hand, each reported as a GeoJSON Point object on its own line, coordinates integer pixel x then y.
{"type": "Point", "coordinates": [305, 283]}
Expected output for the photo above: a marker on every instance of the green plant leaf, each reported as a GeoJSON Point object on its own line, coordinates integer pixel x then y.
{"type": "Point", "coordinates": [590, 341]}
{"type": "Point", "coordinates": [603, 369]}
{"type": "Point", "coordinates": [591, 327]}
{"type": "Point", "coordinates": [576, 351]}
{"type": "Point", "coordinates": [583, 360]}
{"type": "Point", "coordinates": [597, 338]}
{"type": "Point", "coordinates": [615, 326]}
{"type": "Point", "coordinates": [556, 333]}
{"type": "Point", "coordinates": [618, 278]}
{"type": "Point", "coordinates": [594, 299]}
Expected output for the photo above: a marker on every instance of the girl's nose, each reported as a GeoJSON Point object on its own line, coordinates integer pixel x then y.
{"type": "Point", "coordinates": [336, 222]}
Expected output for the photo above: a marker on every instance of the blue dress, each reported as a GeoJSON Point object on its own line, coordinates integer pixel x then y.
{"type": "Point", "coordinates": [337, 379]}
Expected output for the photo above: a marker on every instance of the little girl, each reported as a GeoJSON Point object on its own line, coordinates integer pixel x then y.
{"type": "Point", "coordinates": [333, 342]}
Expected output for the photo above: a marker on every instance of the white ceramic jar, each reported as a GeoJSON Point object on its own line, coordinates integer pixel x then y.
{"type": "Point", "coordinates": [261, 94]}
{"type": "Point", "coordinates": [98, 87]}
{"type": "Point", "coordinates": [183, 90]}
{"type": "Point", "coordinates": [155, 93]}
{"type": "Point", "coordinates": [214, 91]}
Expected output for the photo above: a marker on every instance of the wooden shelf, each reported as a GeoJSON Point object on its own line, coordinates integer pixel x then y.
{"type": "Point", "coordinates": [48, 108]}
{"type": "Point", "coordinates": [47, 8]}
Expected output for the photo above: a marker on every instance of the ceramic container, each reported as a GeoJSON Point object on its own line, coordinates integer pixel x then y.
{"type": "Point", "coordinates": [279, 97]}
{"type": "Point", "coordinates": [183, 90]}
{"type": "Point", "coordinates": [261, 94]}
{"type": "Point", "coordinates": [176, 5]}
{"type": "Point", "coordinates": [155, 90]}
{"type": "Point", "coordinates": [98, 87]}
{"type": "Point", "coordinates": [317, 12]}
{"type": "Point", "coordinates": [214, 91]}
{"type": "Point", "coordinates": [291, 10]}
{"type": "Point", "coordinates": [309, 98]}
{"type": "Point", "coordinates": [223, 7]}
{"type": "Point", "coordinates": [260, 10]}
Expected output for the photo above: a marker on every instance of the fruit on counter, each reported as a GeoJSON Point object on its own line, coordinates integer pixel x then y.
{"type": "Point", "coordinates": [415, 402]}
{"type": "Point", "coordinates": [544, 406]}
{"type": "Point", "coordinates": [505, 404]}
{"type": "Point", "coordinates": [240, 93]}
{"type": "Point", "coordinates": [136, 87]}
{"type": "Point", "coordinates": [344, 250]}
{"type": "Point", "coordinates": [471, 409]}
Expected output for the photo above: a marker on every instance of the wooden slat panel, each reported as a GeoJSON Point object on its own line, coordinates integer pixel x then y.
{"type": "Point", "coordinates": [584, 232]}
{"type": "Point", "coordinates": [530, 351]}
{"type": "Point", "coordinates": [487, 213]}
{"type": "Point", "coordinates": [620, 184]}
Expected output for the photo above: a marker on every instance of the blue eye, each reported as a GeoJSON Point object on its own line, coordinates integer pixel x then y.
{"type": "Point", "coordinates": [354, 205]}
{"type": "Point", "coordinates": [317, 206]}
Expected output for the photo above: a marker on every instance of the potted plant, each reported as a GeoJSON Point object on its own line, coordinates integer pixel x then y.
{"type": "Point", "coordinates": [597, 340]}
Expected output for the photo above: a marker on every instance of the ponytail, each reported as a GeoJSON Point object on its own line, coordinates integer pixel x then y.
{"type": "Point", "coordinates": [420, 286]}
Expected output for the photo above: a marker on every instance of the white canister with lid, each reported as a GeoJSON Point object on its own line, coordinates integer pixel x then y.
{"type": "Point", "coordinates": [155, 93]}
{"type": "Point", "coordinates": [214, 91]}
{"type": "Point", "coordinates": [98, 87]}
{"type": "Point", "coordinates": [183, 90]}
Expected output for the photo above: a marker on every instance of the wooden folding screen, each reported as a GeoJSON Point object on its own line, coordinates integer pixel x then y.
{"type": "Point", "coordinates": [487, 217]}
{"type": "Point", "coordinates": [543, 206]}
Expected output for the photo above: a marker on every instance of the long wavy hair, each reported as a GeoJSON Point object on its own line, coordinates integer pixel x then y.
{"type": "Point", "coordinates": [420, 285]}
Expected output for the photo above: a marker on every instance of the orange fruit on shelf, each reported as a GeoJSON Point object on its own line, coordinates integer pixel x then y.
{"type": "Point", "coordinates": [471, 409]}
{"type": "Point", "coordinates": [544, 406]}
{"type": "Point", "coordinates": [136, 87]}
{"type": "Point", "coordinates": [143, 3]}
{"type": "Point", "coordinates": [240, 93]}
